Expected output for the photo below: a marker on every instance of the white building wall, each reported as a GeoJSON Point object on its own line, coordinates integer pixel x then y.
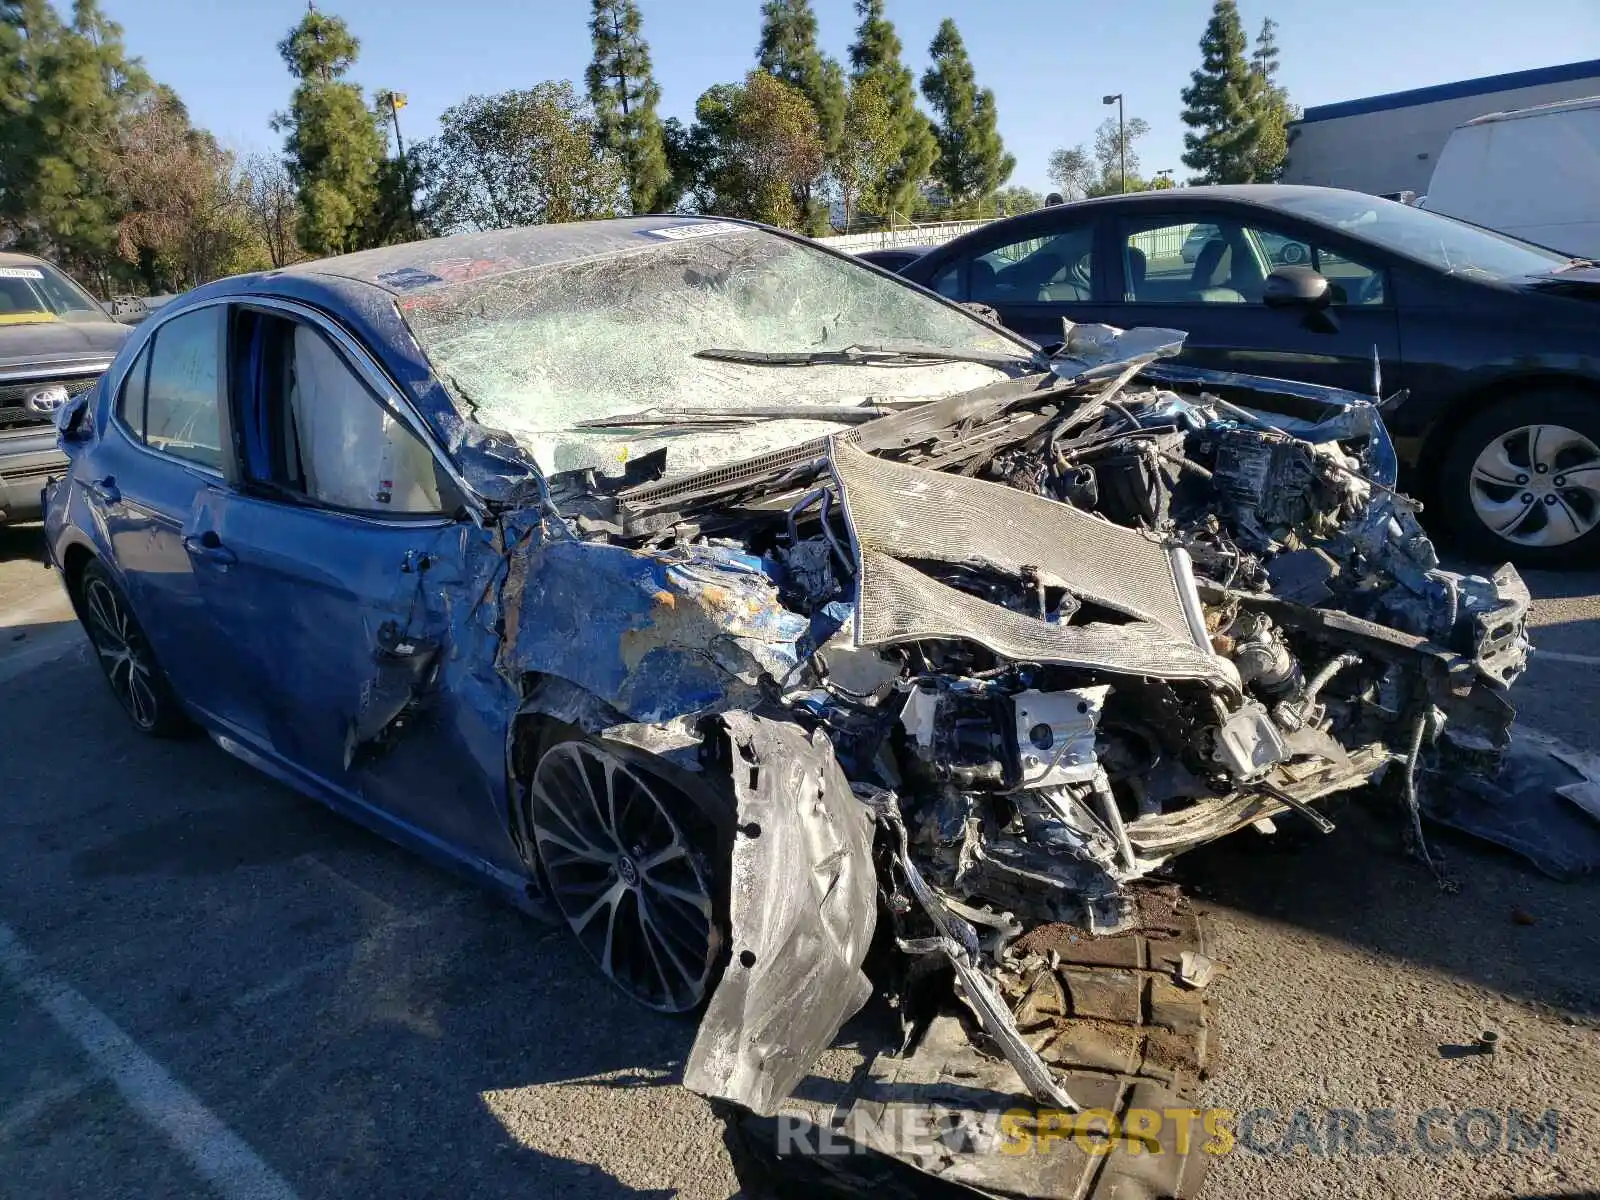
{"type": "Point", "coordinates": [1393, 149]}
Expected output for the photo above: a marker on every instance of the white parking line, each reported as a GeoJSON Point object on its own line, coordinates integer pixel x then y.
{"type": "Point", "coordinates": [216, 1153]}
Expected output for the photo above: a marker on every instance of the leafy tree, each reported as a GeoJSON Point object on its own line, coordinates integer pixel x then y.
{"type": "Point", "coordinates": [683, 160]}
{"type": "Point", "coordinates": [788, 52]}
{"type": "Point", "coordinates": [1222, 103]}
{"type": "Point", "coordinates": [183, 217]}
{"type": "Point", "coordinates": [1113, 147]}
{"type": "Point", "coordinates": [1011, 201]}
{"type": "Point", "coordinates": [334, 145]}
{"type": "Point", "coordinates": [875, 56]}
{"type": "Point", "coordinates": [396, 215]}
{"type": "Point", "coordinates": [972, 160]}
{"type": "Point", "coordinates": [521, 158]}
{"type": "Point", "coordinates": [1072, 170]}
{"type": "Point", "coordinates": [1274, 110]}
{"type": "Point", "coordinates": [65, 89]}
{"type": "Point", "coordinates": [269, 198]}
{"type": "Point", "coordinates": [624, 94]}
{"type": "Point", "coordinates": [870, 146]}
{"type": "Point", "coordinates": [755, 147]}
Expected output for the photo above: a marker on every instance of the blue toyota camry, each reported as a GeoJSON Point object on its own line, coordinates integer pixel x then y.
{"type": "Point", "coordinates": [721, 596]}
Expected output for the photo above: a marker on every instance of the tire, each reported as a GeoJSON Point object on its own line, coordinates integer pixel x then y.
{"type": "Point", "coordinates": [125, 656]}
{"type": "Point", "coordinates": [640, 871]}
{"type": "Point", "coordinates": [1521, 481]}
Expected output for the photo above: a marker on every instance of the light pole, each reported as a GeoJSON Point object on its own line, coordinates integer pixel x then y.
{"type": "Point", "coordinates": [1166, 174]}
{"type": "Point", "coordinates": [1122, 137]}
{"type": "Point", "coordinates": [396, 101]}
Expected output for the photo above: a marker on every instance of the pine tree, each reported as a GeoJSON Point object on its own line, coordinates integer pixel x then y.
{"type": "Point", "coordinates": [333, 145]}
{"type": "Point", "coordinates": [1274, 108]}
{"type": "Point", "coordinates": [875, 55]}
{"type": "Point", "coordinates": [788, 51]}
{"type": "Point", "coordinates": [1265, 58]}
{"type": "Point", "coordinates": [972, 160]}
{"type": "Point", "coordinates": [624, 94]}
{"type": "Point", "coordinates": [1222, 103]}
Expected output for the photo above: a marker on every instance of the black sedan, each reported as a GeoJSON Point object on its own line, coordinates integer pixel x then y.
{"type": "Point", "coordinates": [1487, 347]}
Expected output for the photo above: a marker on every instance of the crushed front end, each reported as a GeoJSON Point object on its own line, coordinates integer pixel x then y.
{"type": "Point", "coordinates": [1034, 640]}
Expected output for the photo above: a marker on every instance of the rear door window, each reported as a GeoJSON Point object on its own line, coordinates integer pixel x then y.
{"type": "Point", "coordinates": [182, 396]}
{"type": "Point", "coordinates": [1053, 267]}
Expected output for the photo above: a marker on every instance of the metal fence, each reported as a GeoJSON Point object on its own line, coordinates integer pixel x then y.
{"type": "Point", "coordinates": [905, 235]}
{"type": "Point", "coordinates": [1161, 243]}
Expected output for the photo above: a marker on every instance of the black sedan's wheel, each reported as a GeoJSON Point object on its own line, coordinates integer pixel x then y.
{"type": "Point", "coordinates": [125, 656]}
{"type": "Point", "coordinates": [632, 863]}
{"type": "Point", "coordinates": [1522, 480]}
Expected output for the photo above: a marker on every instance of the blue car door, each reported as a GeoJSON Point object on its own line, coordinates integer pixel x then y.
{"type": "Point", "coordinates": [341, 542]}
{"type": "Point", "coordinates": [158, 467]}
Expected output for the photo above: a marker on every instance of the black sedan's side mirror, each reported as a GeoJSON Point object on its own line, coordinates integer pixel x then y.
{"type": "Point", "coordinates": [1297, 287]}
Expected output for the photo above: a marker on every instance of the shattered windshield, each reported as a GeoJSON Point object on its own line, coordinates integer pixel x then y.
{"type": "Point", "coordinates": [1453, 246]}
{"type": "Point", "coordinates": [539, 351]}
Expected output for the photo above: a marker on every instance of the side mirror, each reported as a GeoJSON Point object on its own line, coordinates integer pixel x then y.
{"type": "Point", "coordinates": [71, 417]}
{"type": "Point", "coordinates": [1296, 287]}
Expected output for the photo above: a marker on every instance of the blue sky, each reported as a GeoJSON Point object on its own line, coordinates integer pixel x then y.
{"type": "Point", "coordinates": [1048, 61]}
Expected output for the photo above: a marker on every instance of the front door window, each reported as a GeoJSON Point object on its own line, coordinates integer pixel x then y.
{"type": "Point", "coordinates": [1227, 261]}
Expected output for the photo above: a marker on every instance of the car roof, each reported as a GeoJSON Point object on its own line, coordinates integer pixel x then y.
{"type": "Point", "coordinates": [1267, 194]}
{"type": "Point", "coordinates": [1261, 195]}
{"type": "Point", "coordinates": [413, 267]}
{"type": "Point", "coordinates": [10, 258]}
{"type": "Point", "coordinates": [1537, 110]}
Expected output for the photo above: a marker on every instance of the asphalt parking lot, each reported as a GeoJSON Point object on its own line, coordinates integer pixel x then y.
{"type": "Point", "coordinates": [212, 986]}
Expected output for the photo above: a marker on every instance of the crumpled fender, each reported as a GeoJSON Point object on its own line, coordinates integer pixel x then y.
{"type": "Point", "coordinates": [802, 908]}
{"type": "Point", "coordinates": [656, 635]}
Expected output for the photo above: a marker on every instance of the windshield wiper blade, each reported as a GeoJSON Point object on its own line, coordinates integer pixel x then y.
{"type": "Point", "coordinates": [868, 356]}
{"type": "Point", "coordinates": [711, 418]}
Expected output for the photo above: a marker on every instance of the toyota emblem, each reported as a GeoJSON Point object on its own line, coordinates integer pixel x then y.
{"type": "Point", "coordinates": [47, 400]}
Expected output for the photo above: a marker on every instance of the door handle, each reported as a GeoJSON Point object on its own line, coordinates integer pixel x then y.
{"type": "Point", "coordinates": [209, 546]}
{"type": "Point", "coordinates": [103, 490]}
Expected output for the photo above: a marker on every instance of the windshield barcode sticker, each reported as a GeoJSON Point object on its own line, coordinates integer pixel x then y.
{"type": "Point", "coordinates": [21, 273]}
{"type": "Point", "coordinates": [678, 233]}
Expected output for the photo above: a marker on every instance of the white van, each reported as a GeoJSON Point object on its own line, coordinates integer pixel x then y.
{"type": "Point", "coordinates": [1533, 173]}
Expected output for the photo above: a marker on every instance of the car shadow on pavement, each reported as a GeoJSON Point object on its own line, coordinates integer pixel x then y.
{"type": "Point", "coordinates": [22, 541]}
{"type": "Point", "coordinates": [1497, 922]}
{"type": "Point", "coordinates": [369, 1025]}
